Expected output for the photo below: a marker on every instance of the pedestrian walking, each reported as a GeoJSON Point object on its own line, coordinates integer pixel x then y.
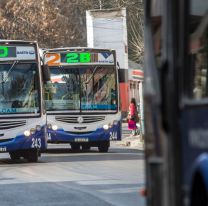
{"type": "Point", "coordinates": [133, 117]}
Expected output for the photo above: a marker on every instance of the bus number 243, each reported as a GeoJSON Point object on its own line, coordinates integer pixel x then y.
{"type": "Point", "coordinates": [36, 143]}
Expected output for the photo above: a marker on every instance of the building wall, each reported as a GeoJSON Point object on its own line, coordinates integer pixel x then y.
{"type": "Point", "coordinates": [108, 29]}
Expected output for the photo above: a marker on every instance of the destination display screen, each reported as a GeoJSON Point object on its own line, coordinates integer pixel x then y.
{"type": "Point", "coordinates": [79, 58]}
{"type": "Point", "coordinates": [17, 53]}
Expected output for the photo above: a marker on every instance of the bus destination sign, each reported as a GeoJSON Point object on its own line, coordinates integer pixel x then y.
{"type": "Point", "coordinates": [17, 53]}
{"type": "Point", "coordinates": [79, 58]}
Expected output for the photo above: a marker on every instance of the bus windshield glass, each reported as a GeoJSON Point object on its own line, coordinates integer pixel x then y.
{"type": "Point", "coordinates": [98, 88]}
{"type": "Point", "coordinates": [19, 91]}
{"type": "Point", "coordinates": [64, 93]}
{"type": "Point", "coordinates": [87, 88]}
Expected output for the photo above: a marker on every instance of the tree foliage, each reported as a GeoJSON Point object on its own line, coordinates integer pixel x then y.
{"type": "Point", "coordinates": [56, 23]}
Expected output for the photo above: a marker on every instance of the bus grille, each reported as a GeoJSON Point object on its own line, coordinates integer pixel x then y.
{"type": "Point", "coordinates": [79, 133]}
{"type": "Point", "coordinates": [11, 124]}
{"type": "Point", "coordinates": [86, 119]}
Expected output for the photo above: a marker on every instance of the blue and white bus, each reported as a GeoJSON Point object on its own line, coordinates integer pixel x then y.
{"type": "Point", "coordinates": [22, 113]}
{"type": "Point", "coordinates": [83, 102]}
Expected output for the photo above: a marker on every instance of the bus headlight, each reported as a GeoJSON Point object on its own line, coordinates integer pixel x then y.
{"type": "Point", "coordinates": [106, 127]}
{"type": "Point", "coordinates": [49, 126]}
{"type": "Point", "coordinates": [38, 128]}
{"type": "Point", "coordinates": [54, 127]}
{"type": "Point", "coordinates": [115, 122]}
{"type": "Point", "coordinates": [32, 131]}
{"type": "Point", "coordinates": [27, 133]}
{"type": "Point", "coordinates": [110, 125]}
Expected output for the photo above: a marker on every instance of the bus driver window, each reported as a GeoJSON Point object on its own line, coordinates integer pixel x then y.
{"type": "Point", "coordinates": [198, 49]}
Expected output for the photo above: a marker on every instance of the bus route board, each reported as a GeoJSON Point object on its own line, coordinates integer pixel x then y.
{"type": "Point", "coordinates": [79, 58]}
{"type": "Point", "coordinates": [8, 53]}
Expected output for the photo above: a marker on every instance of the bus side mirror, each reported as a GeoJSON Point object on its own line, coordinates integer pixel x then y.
{"type": "Point", "coordinates": [46, 73]}
{"type": "Point", "coordinates": [118, 65]}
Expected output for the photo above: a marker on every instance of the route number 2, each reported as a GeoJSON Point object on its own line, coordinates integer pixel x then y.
{"type": "Point", "coordinates": [54, 59]}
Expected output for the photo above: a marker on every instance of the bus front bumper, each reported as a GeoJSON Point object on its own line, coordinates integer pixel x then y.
{"type": "Point", "coordinates": [100, 134]}
{"type": "Point", "coordinates": [22, 142]}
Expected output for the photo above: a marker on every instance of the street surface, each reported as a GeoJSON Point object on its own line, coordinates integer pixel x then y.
{"type": "Point", "coordinates": [74, 179]}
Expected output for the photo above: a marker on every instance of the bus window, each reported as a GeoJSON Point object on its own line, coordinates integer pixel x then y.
{"type": "Point", "coordinates": [156, 25]}
{"type": "Point", "coordinates": [198, 49]}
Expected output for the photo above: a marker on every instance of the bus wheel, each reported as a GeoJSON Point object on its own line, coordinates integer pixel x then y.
{"type": "Point", "coordinates": [14, 156]}
{"type": "Point", "coordinates": [104, 146]}
{"type": "Point", "coordinates": [32, 155]}
{"type": "Point", "coordinates": [75, 147]}
{"type": "Point", "coordinates": [86, 147]}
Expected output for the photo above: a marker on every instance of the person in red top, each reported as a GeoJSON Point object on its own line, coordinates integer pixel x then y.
{"type": "Point", "coordinates": [132, 116]}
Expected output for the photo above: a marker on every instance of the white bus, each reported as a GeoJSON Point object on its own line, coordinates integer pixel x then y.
{"type": "Point", "coordinates": [83, 102]}
{"type": "Point", "coordinates": [22, 114]}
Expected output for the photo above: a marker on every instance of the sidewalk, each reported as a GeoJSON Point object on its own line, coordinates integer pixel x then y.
{"type": "Point", "coordinates": [130, 141]}
{"type": "Point", "coordinates": [133, 142]}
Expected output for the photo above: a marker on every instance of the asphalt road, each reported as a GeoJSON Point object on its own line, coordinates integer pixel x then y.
{"type": "Point", "coordinates": [74, 179]}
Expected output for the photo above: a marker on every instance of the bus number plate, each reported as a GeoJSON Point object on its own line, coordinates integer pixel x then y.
{"type": "Point", "coordinates": [81, 140]}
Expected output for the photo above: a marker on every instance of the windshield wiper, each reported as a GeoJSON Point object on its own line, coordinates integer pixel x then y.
{"type": "Point", "coordinates": [94, 70]}
{"type": "Point", "coordinates": [7, 75]}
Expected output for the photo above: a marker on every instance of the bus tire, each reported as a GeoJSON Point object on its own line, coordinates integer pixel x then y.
{"type": "Point", "coordinates": [32, 155]}
{"type": "Point", "coordinates": [14, 156]}
{"type": "Point", "coordinates": [104, 146]}
{"type": "Point", "coordinates": [75, 147]}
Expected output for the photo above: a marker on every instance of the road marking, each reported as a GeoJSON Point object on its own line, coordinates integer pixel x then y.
{"type": "Point", "coordinates": [105, 182]}
{"type": "Point", "coordinates": [121, 190]}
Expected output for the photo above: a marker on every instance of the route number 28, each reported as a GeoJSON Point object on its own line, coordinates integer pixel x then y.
{"type": "Point", "coordinates": [78, 57]}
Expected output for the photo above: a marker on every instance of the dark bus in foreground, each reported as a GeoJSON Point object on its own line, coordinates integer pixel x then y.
{"type": "Point", "coordinates": [176, 102]}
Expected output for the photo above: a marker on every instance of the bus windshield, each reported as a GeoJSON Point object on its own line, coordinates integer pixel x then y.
{"type": "Point", "coordinates": [98, 88]}
{"type": "Point", "coordinates": [19, 88]}
{"type": "Point", "coordinates": [89, 88]}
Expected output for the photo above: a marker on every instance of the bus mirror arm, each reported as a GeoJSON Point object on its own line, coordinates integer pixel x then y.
{"type": "Point", "coordinates": [118, 65]}
{"type": "Point", "coordinates": [46, 73]}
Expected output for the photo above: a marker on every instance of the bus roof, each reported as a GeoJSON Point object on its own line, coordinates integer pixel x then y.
{"type": "Point", "coordinates": [77, 49]}
{"type": "Point", "coordinates": [79, 56]}
{"type": "Point", "coordinates": [7, 41]}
